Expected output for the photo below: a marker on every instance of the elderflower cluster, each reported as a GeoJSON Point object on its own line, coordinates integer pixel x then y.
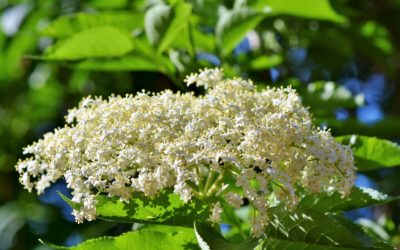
{"type": "Point", "coordinates": [229, 144]}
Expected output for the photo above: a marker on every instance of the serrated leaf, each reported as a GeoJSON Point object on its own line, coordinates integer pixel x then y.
{"type": "Point", "coordinates": [372, 153]}
{"type": "Point", "coordinates": [164, 23]}
{"type": "Point", "coordinates": [358, 198]}
{"type": "Point", "coordinates": [209, 239]}
{"type": "Point", "coordinates": [314, 9]}
{"type": "Point", "coordinates": [233, 26]}
{"type": "Point", "coordinates": [161, 237]}
{"type": "Point", "coordinates": [304, 225]}
{"type": "Point", "coordinates": [68, 25]}
{"type": "Point", "coordinates": [91, 43]}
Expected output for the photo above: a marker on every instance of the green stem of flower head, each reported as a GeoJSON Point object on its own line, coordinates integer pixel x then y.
{"type": "Point", "coordinates": [201, 187]}
{"type": "Point", "coordinates": [280, 186]}
{"type": "Point", "coordinates": [210, 177]}
{"type": "Point", "coordinates": [216, 184]}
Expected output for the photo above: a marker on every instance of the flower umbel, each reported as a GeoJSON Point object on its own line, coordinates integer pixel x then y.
{"type": "Point", "coordinates": [195, 146]}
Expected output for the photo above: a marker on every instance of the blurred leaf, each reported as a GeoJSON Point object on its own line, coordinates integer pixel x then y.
{"type": "Point", "coordinates": [209, 239]}
{"type": "Point", "coordinates": [266, 62]}
{"type": "Point", "coordinates": [358, 198]}
{"type": "Point", "coordinates": [371, 152]}
{"type": "Point", "coordinates": [91, 43]}
{"type": "Point", "coordinates": [131, 62]}
{"type": "Point", "coordinates": [106, 4]}
{"type": "Point", "coordinates": [164, 23]}
{"type": "Point", "coordinates": [329, 95]}
{"type": "Point", "coordinates": [165, 237]}
{"type": "Point", "coordinates": [69, 25]}
{"type": "Point", "coordinates": [233, 26]}
{"type": "Point", "coordinates": [314, 9]}
{"type": "Point", "coordinates": [386, 128]}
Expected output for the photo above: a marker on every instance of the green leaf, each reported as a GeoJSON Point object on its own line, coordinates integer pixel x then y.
{"type": "Point", "coordinates": [160, 237]}
{"type": "Point", "coordinates": [92, 43]}
{"type": "Point", "coordinates": [68, 25]}
{"type": "Point", "coordinates": [358, 198]}
{"type": "Point", "coordinates": [166, 208]}
{"type": "Point", "coordinates": [131, 62]}
{"type": "Point", "coordinates": [233, 26]}
{"type": "Point", "coordinates": [314, 9]}
{"type": "Point", "coordinates": [311, 229]}
{"type": "Point", "coordinates": [274, 244]}
{"type": "Point", "coordinates": [329, 95]}
{"type": "Point", "coordinates": [164, 23]}
{"type": "Point", "coordinates": [371, 152]}
{"type": "Point", "coordinates": [266, 62]}
{"type": "Point", "coordinates": [209, 239]}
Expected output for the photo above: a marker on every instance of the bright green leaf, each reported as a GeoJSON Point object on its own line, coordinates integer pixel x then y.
{"type": "Point", "coordinates": [166, 208]}
{"type": "Point", "coordinates": [160, 237]}
{"type": "Point", "coordinates": [92, 43]}
{"type": "Point", "coordinates": [358, 198]}
{"type": "Point", "coordinates": [314, 9]}
{"type": "Point", "coordinates": [68, 25]}
{"type": "Point", "coordinates": [371, 152]}
{"type": "Point", "coordinates": [266, 62]}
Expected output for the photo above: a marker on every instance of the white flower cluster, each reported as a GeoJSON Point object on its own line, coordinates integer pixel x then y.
{"type": "Point", "coordinates": [230, 144]}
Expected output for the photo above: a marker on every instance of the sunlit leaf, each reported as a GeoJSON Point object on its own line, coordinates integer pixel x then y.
{"type": "Point", "coordinates": [358, 198]}
{"type": "Point", "coordinates": [166, 208]}
{"type": "Point", "coordinates": [92, 43]}
{"type": "Point", "coordinates": [160, 237]}
{"type": "Point", "coordinates": [314, 9]}
{"type": "Point", "coordinates": [371, 152]}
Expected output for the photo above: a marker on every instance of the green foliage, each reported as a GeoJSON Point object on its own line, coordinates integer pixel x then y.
{"type": "Point", "coordinates": [69, 25]}
{"type": "Point", "coordinates": [208, 238]}
{"type": "Point", "coordinates": [371, 152]}
{"type": "Point", "coordinates": [164, 23]}
{"type": "Point", "coordinates": [315, 9]}
{"type": "Point", "coordinates": [124, 46]}
{"type": "Point", "coordinates": [91, 43]}
{"type": "Point", "coordinates": [358, 198]}
{"type": "Point", "coordinates": [166, 208]}
{"type": "Point", "coordinates": [149, 237]}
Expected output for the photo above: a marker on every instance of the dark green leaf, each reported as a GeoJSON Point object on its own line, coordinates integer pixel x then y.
{"type": "Point", "coordinates": [304, 225]}
{"type": "Point", "coordinates": [358, 198]}
{"type": "Point", "coordinates": [68, 25]}
{"type": "Point", "coordinates": [209, 239]}
{"type": "Point", "coordinates": [91, 43]}
{"type": "Point", "coordinates": [371, 152]}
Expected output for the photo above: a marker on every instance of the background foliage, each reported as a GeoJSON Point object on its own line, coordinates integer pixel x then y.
{"type": "Point", "coordinates": [343, 57]}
